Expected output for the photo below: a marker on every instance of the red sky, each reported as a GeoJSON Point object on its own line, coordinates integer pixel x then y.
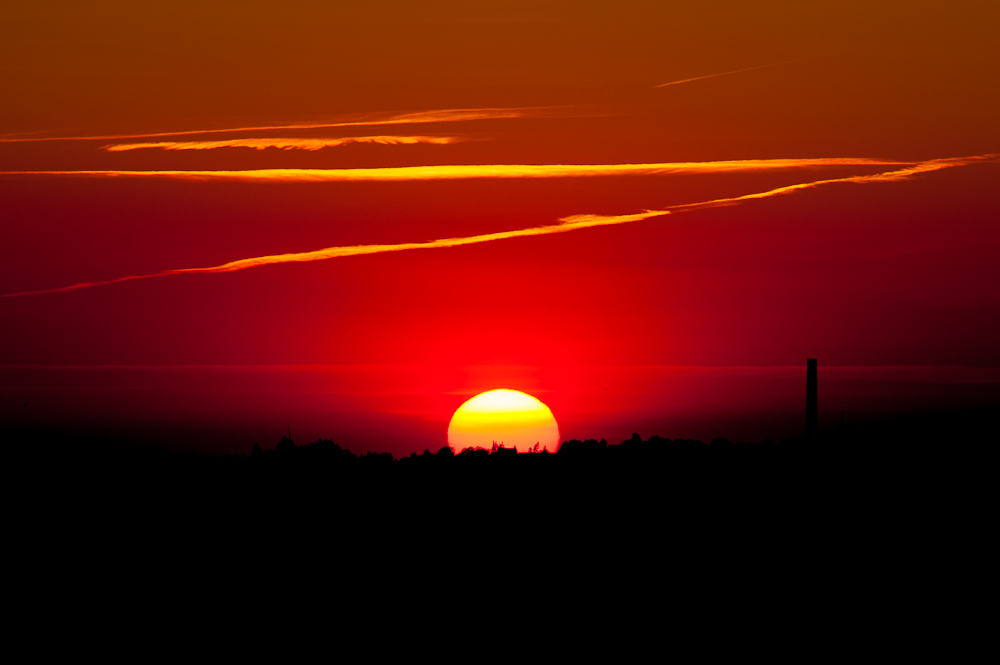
{"type": "Point", "coordinates": [692, 323]}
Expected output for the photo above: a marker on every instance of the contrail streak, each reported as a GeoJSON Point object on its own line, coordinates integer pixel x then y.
{"type": "Point", "coordinates": [417, 118]}
{"type": "Point", "coordinates": [565, 225]}
{"type": "Point", "coordinates": [735, 71]}
{"type": "Point", "coordinates": [283, 144]}
{"type": "Point", "coordinates": [456, 172]}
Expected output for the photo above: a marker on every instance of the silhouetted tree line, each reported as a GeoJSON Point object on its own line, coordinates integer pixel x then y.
{"type": "Point", "coordinates": [650, 514]}
{"type": "Point", "coordinates": [861, 444]}
{"type": "Point", "coordinates": [328, 451]}
{"type": "Point", "coordinates": [584, 477]}
{"type": "Point", "coordinates": [325, 451]}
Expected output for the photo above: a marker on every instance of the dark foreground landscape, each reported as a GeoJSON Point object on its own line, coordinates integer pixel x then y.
{"type": "Point", "coordinates": [918, 460]}
{"type": "Point", "coordinates": [883, 519]}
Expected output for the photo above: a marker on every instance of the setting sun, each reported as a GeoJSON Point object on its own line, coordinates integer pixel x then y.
{"type": "Point", "coordinates": [508, 417]}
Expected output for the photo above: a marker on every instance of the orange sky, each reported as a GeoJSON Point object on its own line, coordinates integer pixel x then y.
{"type": "Point", "coordinates": [333, 118]}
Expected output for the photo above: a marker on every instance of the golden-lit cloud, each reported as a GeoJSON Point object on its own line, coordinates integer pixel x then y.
{"type": "Point", "coordinates": [564, 225]}
{"type": "Point", "coordinates": [283, 144]}
{"type": "Point", "coordinates": [886, 176]}
{"type": "Point", "coordinates": [414, 118]}
{"type": "Point", "coordinates": [457, 172]}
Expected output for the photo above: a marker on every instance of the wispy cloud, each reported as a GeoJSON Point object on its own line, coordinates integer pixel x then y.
{"type": "Point", "coordinates": [564, 225]}
{"type": "Point", "coordinates": [735, 71]}
{"type": "Point", "coordinates": [283, 144]}
{"type": "Point", "coordinates": [886, 176]}
{"type": "Point", "coordinates": [455, 172]}
{"type": "Point", "coordinates": [415, 118]}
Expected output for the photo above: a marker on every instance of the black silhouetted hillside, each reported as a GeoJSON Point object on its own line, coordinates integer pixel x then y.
{"type": "Point", "coordinates": [728, 522]}
{"type": "Point", "coordinates": [323, 468]}
{"type": "Point", "coordinates": [634, 484]}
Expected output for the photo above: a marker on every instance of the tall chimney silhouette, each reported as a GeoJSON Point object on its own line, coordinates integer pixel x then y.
{"type": "Point", "coordinates": [811, 417]}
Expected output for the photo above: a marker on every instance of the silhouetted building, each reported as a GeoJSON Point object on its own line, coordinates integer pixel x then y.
{"type": "Point", "coordinates": [811, 405]}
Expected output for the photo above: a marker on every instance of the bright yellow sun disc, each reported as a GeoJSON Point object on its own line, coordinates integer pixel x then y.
{"type": "Point", "coordinates": [508, 417]}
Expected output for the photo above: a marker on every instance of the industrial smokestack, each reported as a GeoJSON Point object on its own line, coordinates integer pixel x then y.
{"type": "Point", "coordinates": [811, 416]}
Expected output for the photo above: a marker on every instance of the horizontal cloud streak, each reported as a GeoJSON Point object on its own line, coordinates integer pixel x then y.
{"type": "Point", "coordinates": [416, 118]}
{"type": "Point", "coordinates": [283, 144]}
{"type": "Point", "coordinates": [455, 172]}
{"type": "Point", "coordinates": [568, 224]}
{"type": "Point", "coordinates": [887, 176]}
{"type": "Point", "coordinates": [565, 225]}
{"type": "Point", "coordinates": [735, 71]}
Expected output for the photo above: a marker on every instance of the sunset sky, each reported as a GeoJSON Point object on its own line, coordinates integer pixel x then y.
{"type": "Point", "coordinates": [224, 219]}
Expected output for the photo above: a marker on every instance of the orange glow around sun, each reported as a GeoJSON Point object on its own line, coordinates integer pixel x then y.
{"type": "Point", "coordinates": [508, 417]}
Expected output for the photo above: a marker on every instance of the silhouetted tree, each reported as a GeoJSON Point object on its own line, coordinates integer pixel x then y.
{"type": "Point", "coordinates": [588, 447]}
{"type": "Point", "coordinates": [474, 453]}
{"type": "Point", "coordinates": [286, 445]}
